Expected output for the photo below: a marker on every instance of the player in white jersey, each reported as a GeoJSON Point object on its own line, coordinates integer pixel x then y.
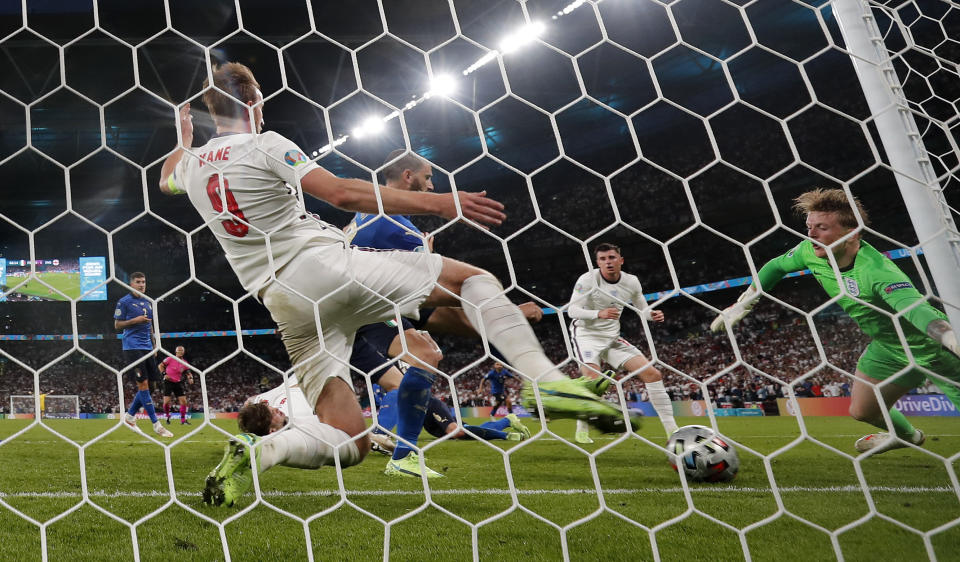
{"type": "Point", "coordinates": [598, 299]}
{"type": "Point", "coordinates": [246, 187]}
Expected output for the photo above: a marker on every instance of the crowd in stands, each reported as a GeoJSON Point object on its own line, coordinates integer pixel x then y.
{"type": "Point", "coordinates": [776, 349]}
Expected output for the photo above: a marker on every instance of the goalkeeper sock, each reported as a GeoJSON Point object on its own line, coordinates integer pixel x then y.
{"type": "Point", "coordinates": [660, 401]}
{"type": "Point", "coordinates": [506, 327]}
{"type": "Point", "coordinates": [903, 428]}
{"type": "Point", "coordinates": [486, 432]}
{"type": "Point", "coordinates": [387, 415]}
{"type": "Point", "coordinates": [308, 443]}
{"type": "Point", "coordinates": [147, 404]}
{"type": "Point", "coordinates": [413, 395]}
{"type": "Point", "coordinates": [135, 405]}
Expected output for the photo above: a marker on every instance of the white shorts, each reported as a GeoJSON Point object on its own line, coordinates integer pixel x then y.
{"type": "Point", "coordinates": [332, 290]}
{"type": "Point", "coordinates": [598, 350]}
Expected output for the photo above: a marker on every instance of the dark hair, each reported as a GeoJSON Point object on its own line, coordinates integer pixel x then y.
{"type": "Point", "coordinates": [255, 418]}
{"type": "Point", "coordinates": [831, 201]}
{"type": "Point", "coordinates": [234, 82]}
{"type": "Point", "coordinates": [137, 275]}
{"type": "Point", "coordinates": [408, 161]}
{"type": "Point", "coordinates": [606, 247]}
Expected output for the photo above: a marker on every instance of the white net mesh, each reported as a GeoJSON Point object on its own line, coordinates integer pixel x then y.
{"type": "Point", "coordinates": [679, 130]}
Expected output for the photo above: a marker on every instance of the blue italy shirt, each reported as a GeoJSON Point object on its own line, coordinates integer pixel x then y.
{"type": "Point", "coordinates": [383, 234]}
{"type": "Point", "coordinates": [496, 379]}
{"type": "Point", "coordinates": [138, 335]}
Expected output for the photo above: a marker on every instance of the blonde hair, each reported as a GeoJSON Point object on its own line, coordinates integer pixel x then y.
{"type": "Point", "coordinates": [234, 82]}
{"type": "Point", "coordinates": [831, 201]}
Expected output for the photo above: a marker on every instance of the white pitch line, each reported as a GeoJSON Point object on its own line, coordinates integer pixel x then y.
{"type": "Point", "coordinates": [500, 492]}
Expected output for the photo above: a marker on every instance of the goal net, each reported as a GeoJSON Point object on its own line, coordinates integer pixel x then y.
{"type": "Point", "coordinates": [680, 131]}
{"type": "Point", "coordinates": [51, 406]}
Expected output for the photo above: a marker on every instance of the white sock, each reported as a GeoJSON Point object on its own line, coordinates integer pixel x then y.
{"type": "Point", "coordinates": [662, 404]}
{"type": "Point", "coordinates": [506, 328]}
{"type": "Point", "coordinates": [582, 426]}
{"type": "Point", "coordinates": [308, 444]}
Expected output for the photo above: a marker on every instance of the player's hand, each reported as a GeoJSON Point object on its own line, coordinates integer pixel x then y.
{"type": "Point", "coordinates": [142, 319]}
{"type": "Point", "coordinates": [735, 313]}
{"type": "Point", "coordinates": [611, 313]}
{"type": "Point", "coordinates": [656, 315]}
{"type": "Point", "coordinates": [479, 208]}
{"type": "Point", "coordinates": [531, 311]}
{"type": "Point", "coordinates": [186, 126]}
{"type": "Point", "coordinates": [429, 240]}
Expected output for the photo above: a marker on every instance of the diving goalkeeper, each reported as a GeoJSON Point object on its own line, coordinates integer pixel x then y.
{"type": "Point", "coordinates": [874, 289]}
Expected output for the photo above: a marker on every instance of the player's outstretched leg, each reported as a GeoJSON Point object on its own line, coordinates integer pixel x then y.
{"type": "Point", "coordinates": [567, 398]}
{"type": "Point", "coordinates": [883, 442]}
{"type": "Point", "coordinates": [234, 475]}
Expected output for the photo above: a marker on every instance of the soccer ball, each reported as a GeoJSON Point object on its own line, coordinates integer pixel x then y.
{"type": "Point", "coordinates": [704, 455]}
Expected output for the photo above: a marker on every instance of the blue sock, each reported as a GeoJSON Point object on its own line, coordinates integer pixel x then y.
{"type": "Point", "coordinates": [485, 432]}
{"type": "Point", "coordinates": [147, 404]}
{"type": "Point", "coordinates": [135, 405]}
{"type": "Point", "coordinates": [387, 414]}
{"type": "Point", "coordinates": [499, 425]}
{"type": "Point", "coordinates": [412, 398]}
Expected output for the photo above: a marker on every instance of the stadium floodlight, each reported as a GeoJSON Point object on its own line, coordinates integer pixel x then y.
{"type": "Point", "coordinates": [442, 85]}
{"type": "Point", "coordinates": [521, 37]}
{"type": "Point", "coordinates": [370, 126]}
{"type": "Point", "coordinates": [570, 7]}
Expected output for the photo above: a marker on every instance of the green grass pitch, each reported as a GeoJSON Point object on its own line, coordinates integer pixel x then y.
{"type": "Point", "coordinates": [556, 497]}
{"type": "Point", "coordinates": [66, 283]}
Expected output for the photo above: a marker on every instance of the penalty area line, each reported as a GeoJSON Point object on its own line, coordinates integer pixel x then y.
{"type": "Point", "coordinates": [721, 489]}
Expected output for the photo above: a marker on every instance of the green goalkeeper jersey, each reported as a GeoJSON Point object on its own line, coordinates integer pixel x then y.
{"type": "Point", "coordinates": [873, 279]}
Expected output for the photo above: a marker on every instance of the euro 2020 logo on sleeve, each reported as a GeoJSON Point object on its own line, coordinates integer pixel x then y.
{"type": "Point", "coordinates": [294, 158]}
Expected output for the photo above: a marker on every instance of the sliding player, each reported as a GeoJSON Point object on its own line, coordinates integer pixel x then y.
{"type": "Point", "coordinates": [599, 297]}
{"type": "Point", "coordinates": [874, 290]}
{"type": "Point", "coordinates": [308, 277]}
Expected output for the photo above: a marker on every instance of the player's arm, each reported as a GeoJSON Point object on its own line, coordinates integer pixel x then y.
{"type": "Point", "coordinates": [769, 275]}
{"type": "Point", "coordinates": [900, 295]}
{"type": "Point", "coordinates": [646, 310]}
{"type": "Point", "coordinates": [170, 164]}
{"type": "Point", "coordinates": [359, 195]}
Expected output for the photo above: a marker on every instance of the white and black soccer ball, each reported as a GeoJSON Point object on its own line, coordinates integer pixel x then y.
{"type": "Point", "coordinates": [704, 455]}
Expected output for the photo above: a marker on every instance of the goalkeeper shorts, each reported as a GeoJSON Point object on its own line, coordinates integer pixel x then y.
{"type": "Point", "coordinates": [882, 362]}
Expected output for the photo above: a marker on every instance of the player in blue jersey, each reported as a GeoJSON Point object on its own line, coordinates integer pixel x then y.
{"type": "Point", "coordinates": [375, 344]}
{"type": "Point", "coordinates": [497, 376]}
{"type": "Point", "coordinates": [134, 315]}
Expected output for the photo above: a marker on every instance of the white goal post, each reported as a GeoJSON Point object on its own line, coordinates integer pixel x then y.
{"type": "Point", "coordinates": [52, 406]}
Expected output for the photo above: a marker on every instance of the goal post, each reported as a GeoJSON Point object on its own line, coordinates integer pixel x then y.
{"type": "Point", "coordinates": [52, 406]}
{"type": "Point", "coordinates": [903, 143]}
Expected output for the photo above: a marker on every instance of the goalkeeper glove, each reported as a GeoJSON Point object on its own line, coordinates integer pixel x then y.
{"type": "Point", "coordinates": [736, 313]}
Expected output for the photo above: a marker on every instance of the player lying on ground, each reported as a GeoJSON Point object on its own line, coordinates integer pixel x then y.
{"type": "Point", "coordinates": [441, 421]}
{"type": "Point", "coordinates": [598, 300]}
{"type": "Point", "coordinates": [308, 443]}
{"type": "Point", "coordinates": [874, 290]}
{"type": "Point", "coordinates": [317, 288]}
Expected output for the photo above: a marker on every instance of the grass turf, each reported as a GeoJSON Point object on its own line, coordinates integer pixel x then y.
{"type": "Point", "coordinates": [135, 484]}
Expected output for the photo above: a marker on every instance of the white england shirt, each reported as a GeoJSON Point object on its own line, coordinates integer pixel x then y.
{"type": "Point", "coordinates": [593, 293]}
{"type": "Point", "coordinates": [241, 186]}
{"type": "Point", "coordinates": [277, 398]}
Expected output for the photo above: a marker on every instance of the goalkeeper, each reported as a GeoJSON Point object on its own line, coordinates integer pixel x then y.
{"type": "Point", "coordinates": [874, 289]}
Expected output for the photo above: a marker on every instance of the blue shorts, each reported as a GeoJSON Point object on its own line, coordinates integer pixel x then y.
{"type": "Point", "coordinates": [438, 418]}
{"type": "Point", "coordinates": [370, 347]}
{"type": "Point", "coordinates": [142, 363]}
